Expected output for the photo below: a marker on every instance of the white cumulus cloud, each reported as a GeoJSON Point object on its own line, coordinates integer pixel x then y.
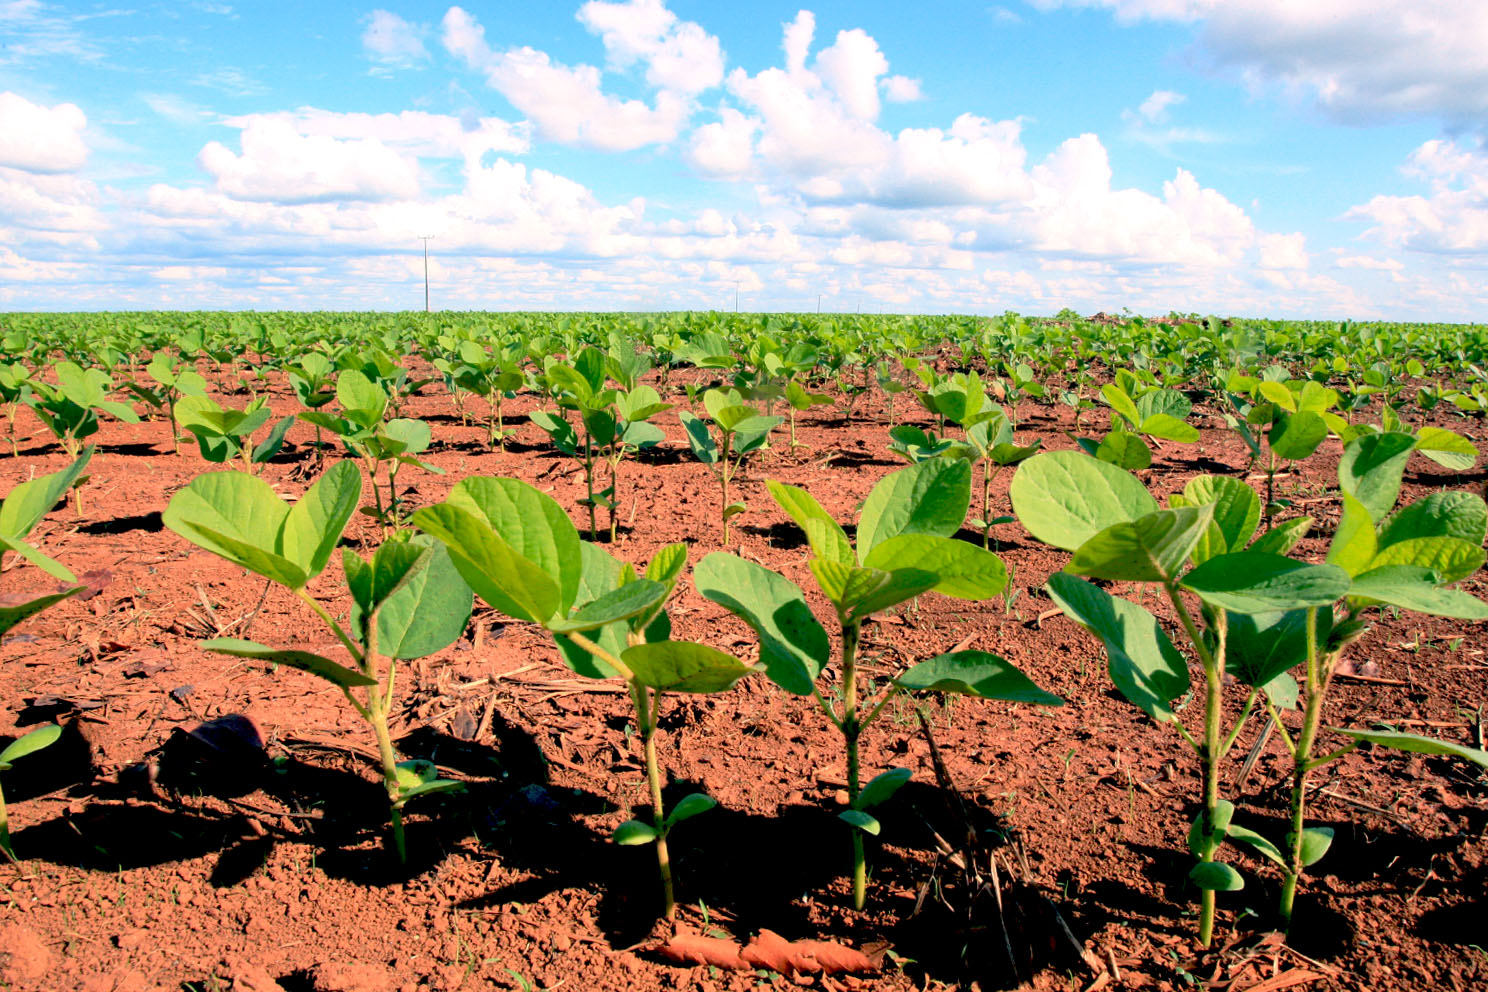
{"type": "Point", "coordinates": [1361, 61]}
{"type": "Point", "coordinates": [568, 104]}
{"type": "Point", "coordinates": [393, 42]}
{"type": "Point", "coordinates": [679, 55]}
{"type": "Point", "coordinates": [38, 138]}
{"type": "Point", "coordinates": [279, 164]}
{"type": "Point", "coordinates": [1452, 219]}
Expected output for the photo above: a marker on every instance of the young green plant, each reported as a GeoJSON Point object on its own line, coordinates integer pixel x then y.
{"type": "Point", "coordinates": [522, 555]}
{"type": "Point", "coordinates": [407, 602]}
{"type": "Point", "coordinates": [20, 511]}
{"type": "Point", "coordinates": [904, 549]}
{"type": "Point", "coordinates": [739, 428]}
{"type": "Point", "coordinates": [223, 433]}
{"type": "Point", "coordinates": [1117, 533]}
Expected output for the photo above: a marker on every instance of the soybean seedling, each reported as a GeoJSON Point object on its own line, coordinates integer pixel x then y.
{"type": "Point", "coordinates": [70, 408]}
{"type": "Point", "coordinates": [740, 429]}
{"type": "Point", "coordinates": [173, 380]}
{"type": "Point", "coordinates": [1262, 613]}
{"type": "Point", "coordinates": [223, 433]}
{"type": "Point", "coordinates": [904, 549]}
{"type": "Point", "coordinates": [407, 602]}
{"type": "Point", "coordinates": [1117, 532]}
{"type": "Point", "coordinates": [18, 749]}
{"type": "Point", "coordinates": [520, 552]}
{"type": "Point", "coordinates": [20, 511]}
{"type": "Point", "coordinates": [384, 446]}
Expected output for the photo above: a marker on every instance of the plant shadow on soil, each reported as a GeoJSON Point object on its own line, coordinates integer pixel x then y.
{"type": "Point", "coordinates": [149, 523]}
{"type": "Point", "coordinates": [756, 871]}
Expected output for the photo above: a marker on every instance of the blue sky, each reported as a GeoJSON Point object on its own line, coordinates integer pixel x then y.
{"type": "Point", "coordinates": [1253, 157]}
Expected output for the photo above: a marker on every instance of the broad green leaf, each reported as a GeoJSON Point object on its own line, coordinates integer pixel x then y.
{"type": "Point", "coordinates": [305, 661]}
{"type": "Point", "coordinates": [1201, 842]}
{"type": "Point", "coordinates": [1452, 559]}
{"type": "Point", "coordinates": [1144, 664]}
{"type": "Point", "coordinates": [962, 570]}
{"type": "Point", "coordinates": [314, 524]}
{"type": "Point", "coordinates": [1261, 845]}
{"type": "Point", "coordinates": [1254, 582]}
{"type": "Point", "coordinates": [1117, 399]}
{"type": "Point", "coordinates": [1315, 844]}
{"type": "Point", "coordinates": [1316, 397]}
{"type": "Point", "coordinates": [929, 498]}
{"type": "Point", "coordinates": [531, 522]}
{"type": "Point", "coordinates": [633, 832]}
{"type": "Point", "coordinates": [1216, 876]}
{"type": "Point", "coordinates": [689, 806]}
{"type": "Point", "coordinates": [1151, 548]}
{"type": "Point", "coordinates": [1371, 469]}
{"type": "Point", "coordinates": [1453, 513]}
{"type": "Point", "coordinates": [601, 573]}
{"type": "Point", "coordinates": [1279, 394]}
{"type": "Point", "coordinates": [1124, 450]}
{"type": "Point", "coordinates": [271, 444]}
{"type": "Point", "coordinates": [1237, 512]}
{"type": "Point", "coordinates": [1064, 498]}
{"type": "Point", "coordinates": [238, 517]}
{"type": "Point", "coordinates": [845, 584]}
{"type": "Point", "coordinates": [1295, 436]}
{"type": "Point", "coordinates": [497, 572]}
{"type": "Point", "coordinates": [902, 584]}
{"type": "Point", "coordinates": [29, 744]}
{"type": "Point", "coordinates": [1447, 448]}
{"type": "Point", "coordinates": [28, 502]}
{"type": "Point", "coordinates": [1282, 538]}
{"type": "Point", "coordinates": [1417, 744]}
{"type": "Point", "coordinates": [825, 536]}
{"type": "Point", "coordinates": [1259, 647]}
{"type": "Point", "coordinates": [356, 392]}
{"type": "Point", "coordinates": [1412, 588]}
{"type": "Point", "coordinates": [1354, 544]}
{"type": "Point", "coordinates": [668, 564]}
{"type": "Point", "coordinates": [629, 600]}
{"type": "Point", "coordinates": [881, 787]}
{"type": "Point", "coordinates": [1168, 428]}
{"type": "Point", "coordinates": [793, 646]}
{"type": "Point", "coordinates": [976, 673]}
{"type": "Point", "coordinates": [862, 821]}
{"type": "Point", "coordinates": [412, 435]}
{"type": "Point", "coordinates": [682, 666]}
{"type": "Point", "coordinates": [698, 438]}
{"type": "Point", "coordinates": [415, 772]}
{"type": "Point", "coordinates": [32, 554]}
{"type": "Point", "coordinates": [425, 608]}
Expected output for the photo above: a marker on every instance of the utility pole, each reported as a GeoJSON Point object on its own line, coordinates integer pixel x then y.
{"type": "Point", "coordinates": [425, 238]}
{"type": "Point", "coordinates": [736, 296]}
{"type": "Point", "coordinates": [818, 303]}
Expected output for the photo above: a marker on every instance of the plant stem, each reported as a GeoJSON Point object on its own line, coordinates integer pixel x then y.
{"type": "Point", "coordinates": [1209, 747]}
{"type": "Point", "coordinates": [5, 847]}
{"type": "Point", "coordinates": [646, 720]}
{"type": "Point", "coordinates": [727, 438]}
{"type": "Point", "coordinates": [589, 480]}
{"type": "Point", "coordinates": [1301, 767]}
{"type": "Point", "coordinates": [986, 501]}
{"type": "Point", "coordinates": [851, 728]}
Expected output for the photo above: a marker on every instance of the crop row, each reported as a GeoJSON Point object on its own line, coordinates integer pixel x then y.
{"type": "Point", "coordinates": [1250, 611]}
